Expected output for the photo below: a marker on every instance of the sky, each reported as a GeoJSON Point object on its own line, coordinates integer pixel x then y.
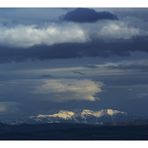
{"type": "Point", "coordinates": [54, 59]}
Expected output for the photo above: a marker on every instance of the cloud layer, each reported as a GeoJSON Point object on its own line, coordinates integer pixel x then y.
{"type": "Point", "coordinates": [117, 30]}
{"type": "Point", "coordinates": [31, 35]}
{"type": "Point", "coordinates": [101, 34]}
{"type": "Point", "coordinates": [70, 89]}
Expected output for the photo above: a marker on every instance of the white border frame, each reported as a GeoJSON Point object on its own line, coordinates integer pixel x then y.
{"type": "Point", "coordinates": [73, 3]}
{"type": "Point", "coordinates": [67, 4]}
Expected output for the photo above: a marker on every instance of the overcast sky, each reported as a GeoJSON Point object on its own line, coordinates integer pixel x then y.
{"type": "Point", "coordinates": [73, 59]}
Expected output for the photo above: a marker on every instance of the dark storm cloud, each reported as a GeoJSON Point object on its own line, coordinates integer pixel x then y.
{"type": "Point", "coordinates": [94, 48]}
{"type": "Point", "coordinates": [70, 40]}
{"type": "Point", "coordinates": [83, 15]}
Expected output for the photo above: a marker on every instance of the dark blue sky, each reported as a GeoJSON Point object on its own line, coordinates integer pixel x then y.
{"type": "Point", "coordinates": [73, 59]}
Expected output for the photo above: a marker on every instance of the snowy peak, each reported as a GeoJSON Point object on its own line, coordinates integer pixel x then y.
{"type": "Point", "coordinates": [98, 114]}
{"type": "Point", "coordinates": [62, 114]}
{"type": "Point", "coordinates": [85, 113]}
{"type": "Point", "coordinates": [111, 112]}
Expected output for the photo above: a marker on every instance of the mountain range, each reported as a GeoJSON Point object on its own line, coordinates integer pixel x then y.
{"type": "Point", "coordinates": [85, 116]}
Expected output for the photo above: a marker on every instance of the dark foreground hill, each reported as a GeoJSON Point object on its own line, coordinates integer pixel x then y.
{"type": "Point", "coordinates": [69, 131]}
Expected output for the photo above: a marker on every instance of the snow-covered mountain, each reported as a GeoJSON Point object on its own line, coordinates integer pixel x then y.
{"type": "Point", "coordinates": [105, 112]}
{"type": "Point", "coordinates": [85, 116]}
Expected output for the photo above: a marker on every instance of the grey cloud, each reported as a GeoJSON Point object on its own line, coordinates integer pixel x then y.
{"type": "Point", "coordinates": [139, 65]}
{"type": "Point", "coordinates": [30, 35]}
{"type": "Point", "coordinates": [85, 15]}
{"type": "Point", "coordinates": [25, 36]}
{"type": "Point", "coordinates": [96, 48]}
